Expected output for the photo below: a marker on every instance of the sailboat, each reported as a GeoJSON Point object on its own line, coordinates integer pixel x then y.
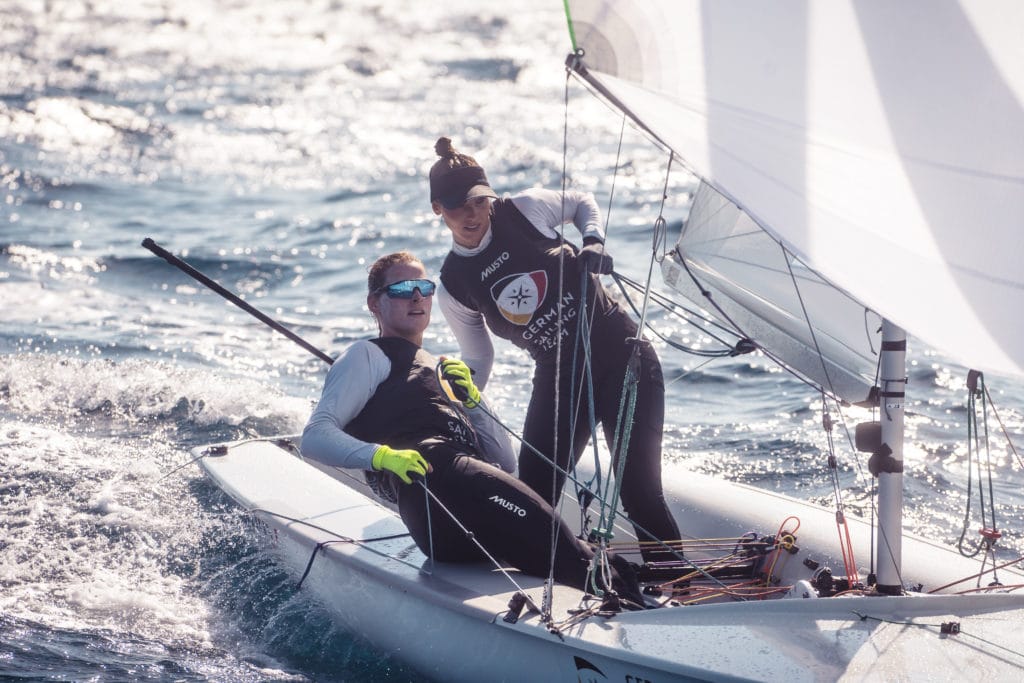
{"type": "Point", "coordinates": [861, 182]}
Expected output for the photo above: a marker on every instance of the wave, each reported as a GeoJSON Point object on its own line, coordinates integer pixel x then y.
{"type": "Point", "coordinates": [108, 565]}
{"type": "Point", "coordinates": [141, 397]}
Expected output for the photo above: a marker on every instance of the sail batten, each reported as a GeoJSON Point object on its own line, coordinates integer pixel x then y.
{"type": "Point", "coordinates": [870, 138]}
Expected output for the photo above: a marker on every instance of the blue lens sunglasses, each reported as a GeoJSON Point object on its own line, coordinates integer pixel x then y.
{"type": "Point", "coordinates": [403, 289]}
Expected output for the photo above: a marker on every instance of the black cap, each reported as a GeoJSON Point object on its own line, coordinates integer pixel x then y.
{"type": "Point", "coordinates": [453, 187]}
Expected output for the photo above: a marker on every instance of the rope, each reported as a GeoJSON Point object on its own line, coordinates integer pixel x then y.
{"type": "Point", "coordinates": [671, 307]}
{"type": "Point", "coordinates": [362, 543]}
{"type": "Point", "coordinates": [1006, 434]}
{"type": "Point", "coordinates": [585, 495]}
{"type": "Point", "coordinates": [664, 545]}
{"type": "Point", "coordinates": [978, 575]}
{"type": "Point", "coordinates": [556, 516]}
{"type": "Point", "coordinates": [989, 532]}
{"type": "Point", "coordinates": [944, 628]}
{"type": "Point", "coordinates": [339, 539]}
{"type": "Point", "coordinates": [497, 565]}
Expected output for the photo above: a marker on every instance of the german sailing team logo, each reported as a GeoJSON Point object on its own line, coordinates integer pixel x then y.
{"type": "Point", "coordinates": [518, 296]}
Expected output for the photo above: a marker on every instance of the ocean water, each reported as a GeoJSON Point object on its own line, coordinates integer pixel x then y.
{"type": "Point", "coordinates": [280, 147]}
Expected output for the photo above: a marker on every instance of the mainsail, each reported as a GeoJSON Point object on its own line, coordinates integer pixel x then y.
{"type": "Point", "coordinates": [882, 144]}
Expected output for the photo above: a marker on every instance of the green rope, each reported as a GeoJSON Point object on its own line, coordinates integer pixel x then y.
{"type": "Point", "coordinates": [568, 19]}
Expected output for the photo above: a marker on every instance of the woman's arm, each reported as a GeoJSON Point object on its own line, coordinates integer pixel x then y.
{"type": "Point", "coordinates": [351, 381]}
{"type": "Point", "coordinates": [475, 346]}
{"type": "Point", "coordinates": [547, 210]}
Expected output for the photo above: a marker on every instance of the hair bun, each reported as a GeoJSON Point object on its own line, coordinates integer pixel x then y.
{"type": "Point", "coordinates": [444, 148]}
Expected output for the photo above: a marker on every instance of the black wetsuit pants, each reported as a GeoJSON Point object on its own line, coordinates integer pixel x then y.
{"type": "Point", "coordinates": [507, 517]}
{"type": "Point", "coordinates": [641, 492]}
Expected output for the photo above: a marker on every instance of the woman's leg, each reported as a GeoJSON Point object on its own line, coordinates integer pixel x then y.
{"type": "Point", "coordinates": [507, 518]}
{"type": "Point", "coordinates": [642, 495]}
{"type": "Point", "coordinates": [441, 539]}
{"type": "Point", "coordinates": [540, 433]}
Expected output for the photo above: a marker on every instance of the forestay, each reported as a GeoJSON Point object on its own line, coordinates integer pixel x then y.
{"type": "Point", "coordinates": [882, 143]}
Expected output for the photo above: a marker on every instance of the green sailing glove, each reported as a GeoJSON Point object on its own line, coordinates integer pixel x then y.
{"type": "Point", "coordinates": [458, 375]}
{"type": "Point", "coordinates": [402, 463]}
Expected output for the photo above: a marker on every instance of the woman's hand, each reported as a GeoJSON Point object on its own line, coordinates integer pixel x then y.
{"type": "Point", "coordinates": [460, 378]}
{"type": "Point", "coordinates": [594, 258]}
{"type": "Point", "coordinates": [402, 463]}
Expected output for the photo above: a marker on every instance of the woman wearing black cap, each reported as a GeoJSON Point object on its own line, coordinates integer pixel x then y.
{"type": "Point", "coordinates": [502, 275]}
{"type": "Point", "coordinates": [384, 410]}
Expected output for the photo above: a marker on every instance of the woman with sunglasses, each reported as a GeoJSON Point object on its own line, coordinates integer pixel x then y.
{"type": "Point", "coordinates": [502, 275]}
{"type": "Point", "coordinates": [384, 410]}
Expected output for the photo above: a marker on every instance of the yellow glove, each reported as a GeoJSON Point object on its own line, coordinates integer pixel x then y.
{"type": "Point", "coordinates": [458, 375]}
{"type": "Point", "coordinates": [402, 463]}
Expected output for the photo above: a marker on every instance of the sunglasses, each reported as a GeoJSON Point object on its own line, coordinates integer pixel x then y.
{"type": "Point", "coordinates": [403, 289]}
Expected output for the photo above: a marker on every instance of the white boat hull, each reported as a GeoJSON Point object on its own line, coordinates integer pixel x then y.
{"type": "Point", "coordinates": [447, 620]}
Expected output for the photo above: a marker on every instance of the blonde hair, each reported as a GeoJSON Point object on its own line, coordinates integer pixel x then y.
{"type": "Point", "coordinates": [375, 280]}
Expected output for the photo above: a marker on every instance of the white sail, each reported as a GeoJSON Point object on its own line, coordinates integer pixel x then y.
{"type": "Point", "coordinates": [801, 320]}
{"type": "Point", "coordinates": [881, 142]}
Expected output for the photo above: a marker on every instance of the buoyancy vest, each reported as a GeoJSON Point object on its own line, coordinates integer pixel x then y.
{"type": "Point", "coordinates": [407, 409]}
{"type": "Point", "coordinates": [513, 283]}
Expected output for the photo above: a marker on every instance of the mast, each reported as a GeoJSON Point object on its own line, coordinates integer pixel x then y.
{"type": "Point", "coordinates": [889, 463]}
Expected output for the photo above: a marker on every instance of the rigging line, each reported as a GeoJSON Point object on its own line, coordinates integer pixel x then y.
{"type": "Point", "coordinates": [989, 532]}
{"type": "Point", "coordinates": [583, 337]}
{"type": "Point", "coordinates": [865, 617]}
{"type": "Point", "coordinates": [497, 565]}
{"type": "Point", "coordinates": [845, 542]}
{"type": "Point", "coordinates": [620, 447]}
{"type": "Point", "coordinates": [615, 176]}
{"type": "Point", "coordinates": [586, 326]}
{"type": "Point", "coordinates": [658, 223]}
{"type": "Point", "coordinates": [182, 466]}
{"type": "Point", "coordinates": [584, 329]}
{"type": "Point", "coordinates": [742, 334]}
{"type": "Point", "coordinates": [578, 71]}
{"type": "Point", "coordinates": [628, 397]}
{"type": "Point", "coordinates": [998, 588]}
{"type": "Point", "coordinates": [689, 372]}
{"type": "Point", "coordinates": [971, 429]}
{"type": "Point", "coordinates": [430, 524]}
{"type": "Point", "coordinates": [988, 463]}
{"type": "Point", "coordinates": [211, 451]}
{"type": "Point", "coordinates": [629, 389]}
{"type": "Point", "coordinates": [1006, 434]}
{"type": "Point", "coordinates": [339, 537]}
{"type": "Point", "coordinates": [679, 347]}
{"type": "Point", "coordinates": [571, 477]}
{"type": "Point", "coordinates": [583, 298]}
{"type": "Point", "coordinates": [549, 584]}
{"type": "Point", "coordinates": [671, 305]}
{"type": "Point", "coordinates": [867, 332]}
{"type": "Point", "coordinates": [824, 366]}
{"type": "Point", "coordinates": [988, 453]}
{"type": "Point", "coordinates": [807, 319]}
{"type": "Point", "coordinates": [821, 356]}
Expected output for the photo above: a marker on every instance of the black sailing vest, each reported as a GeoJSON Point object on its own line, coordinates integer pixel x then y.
{"type": "Point", "coordinates": [513, 282]}
{"type": "Point", "coordinates": [407, 409]}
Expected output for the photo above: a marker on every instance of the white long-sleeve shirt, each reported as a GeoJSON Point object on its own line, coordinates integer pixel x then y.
{"type": "Point", "coordinates": [351, 382]}
{"type": "Point", "coordinates": [546, 210]}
